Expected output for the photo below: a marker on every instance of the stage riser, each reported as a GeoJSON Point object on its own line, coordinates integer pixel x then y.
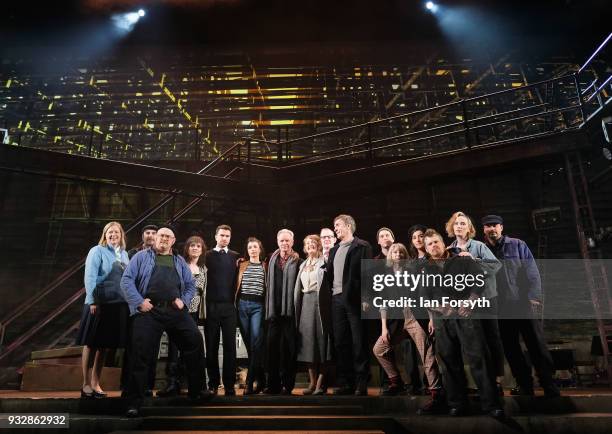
{"type": "Point", "coordinates": [45, 376]}
{"type": "Point", "coordinates": [570, 424]}
{"type": "Point", "coordinates": [263, 405]}
{"type": "Point", "coordinates": [256, 410]}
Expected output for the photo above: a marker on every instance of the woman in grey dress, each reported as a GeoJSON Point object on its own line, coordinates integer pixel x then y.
{"type": "Point", "coordinates": [313, 315]}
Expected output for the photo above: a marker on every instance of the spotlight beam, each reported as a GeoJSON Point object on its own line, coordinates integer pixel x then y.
{"type": "Point", "coordinates": [431, 7]}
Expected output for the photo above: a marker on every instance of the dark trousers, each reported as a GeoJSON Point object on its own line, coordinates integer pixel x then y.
{"type": "Point", "coordinates": [281, 353]}
{"type": "Point", "coordinates": [350, 343]}
{"type": "Point", "coordinates": [175, 364]}
{"type": "Point", "coordinates": [454, 337]}
{"type": "Point", "coordinates": [490, 326]}
{"type": "Point", "coordinates": [221, 320]}
{"type": "Point", "coordinates": [126, 367]}
{"type": "Point", "coordinates": [147, 329]}
{"type": "Point", "coordinates": [531, 330]}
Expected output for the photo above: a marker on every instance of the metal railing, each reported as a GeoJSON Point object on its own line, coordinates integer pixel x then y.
{"type": "Point", "coordinates": [544, 108]}
{"type": "Point", "coordinates": [62, 278]}
{"type": "Point", "coordinates": [548, 107]}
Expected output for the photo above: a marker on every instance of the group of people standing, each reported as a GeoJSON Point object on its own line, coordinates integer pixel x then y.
{"type": "Point", "coordinates": [292, 310]}
{"type": "Point", "coordinates": [483, 336]}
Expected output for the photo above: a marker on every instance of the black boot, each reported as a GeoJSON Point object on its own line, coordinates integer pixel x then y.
{"type": "Point", "coordinates": [521, 390]}
{"type": "Point", "coordinates": [172, 389]}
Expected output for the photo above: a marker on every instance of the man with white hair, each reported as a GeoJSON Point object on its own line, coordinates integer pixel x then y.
{"type": "Point", "coordinates": [283, 269]}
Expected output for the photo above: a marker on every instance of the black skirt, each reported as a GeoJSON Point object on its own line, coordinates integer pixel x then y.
{"type": "Point", "coordinates": [108, 328]}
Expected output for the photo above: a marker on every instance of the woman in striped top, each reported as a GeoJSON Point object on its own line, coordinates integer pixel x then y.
{"type": "Point", "coordinates": [250, 296]}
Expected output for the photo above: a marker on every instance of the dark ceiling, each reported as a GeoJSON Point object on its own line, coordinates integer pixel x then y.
{"type": "Point", "coordinates": [231, 22]}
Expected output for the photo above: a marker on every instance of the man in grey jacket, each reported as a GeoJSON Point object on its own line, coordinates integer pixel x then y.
{"type": "Point", "coordinates": [280, 346]}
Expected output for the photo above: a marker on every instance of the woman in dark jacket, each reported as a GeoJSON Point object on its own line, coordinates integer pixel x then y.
{"type": "Point", "coordinates": [104, 322]}
{"type": "Point", "coordinates": [313, 315]}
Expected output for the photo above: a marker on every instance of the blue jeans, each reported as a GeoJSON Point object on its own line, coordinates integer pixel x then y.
{"type": "Point", "coordinates": [251, 327]}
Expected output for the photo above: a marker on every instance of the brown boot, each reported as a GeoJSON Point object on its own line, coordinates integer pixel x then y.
{"type": "Point", "coordinates": [436, 405]}
{"type": "Point", "coordinates": [396, 386]}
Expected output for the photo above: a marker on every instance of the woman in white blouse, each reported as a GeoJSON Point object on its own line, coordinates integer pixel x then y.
{"type": "Point", "coordinates": [313, 315]}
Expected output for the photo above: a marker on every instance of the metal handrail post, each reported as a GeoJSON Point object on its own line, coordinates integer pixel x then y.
{"type": "Point", "coordinates": [466, 125]}
{"type": "Point", "coordinates": [579, 96]}
{"type": "Point", "coordinates": [248, 145]}
{"type": "Point", "coordinates": [370, 151]}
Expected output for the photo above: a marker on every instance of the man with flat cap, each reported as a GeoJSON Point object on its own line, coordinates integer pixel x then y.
{"type": "Point", "coordinates": [148, 239]}
{"type": "Point", "coordinates": [158, 285]}
{"type": "Point", "coordinates": [520, 290]}
{"type": "Point", "coordinates": [147, 234]}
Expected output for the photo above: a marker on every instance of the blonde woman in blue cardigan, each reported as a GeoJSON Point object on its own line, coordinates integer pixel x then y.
{"type": "Point", "coordinates": [104, 322]}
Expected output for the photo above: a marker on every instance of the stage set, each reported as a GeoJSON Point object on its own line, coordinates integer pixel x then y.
{"type": "Point", "coordinates": [207, 136]}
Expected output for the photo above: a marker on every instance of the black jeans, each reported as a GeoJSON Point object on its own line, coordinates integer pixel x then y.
{"type": "Point", "coordinates": [147, 329]}
{"type": "Point", "coordinates": [492, 334]}
{"type": "Point", "coordinates": [350, 343]}
{"type": "Point", "coordinates": [126, 367]}
{"type": "Point", "coordinates": [281, 353]}
{"type": "Point", "coordinates": [454, 337]}
{"type": "Point", "coordinates": [533, 336]}
{"type": "Point", "coordinates": [221, 319]}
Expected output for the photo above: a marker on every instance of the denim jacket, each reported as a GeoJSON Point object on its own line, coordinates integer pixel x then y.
{"type": "Point", "coordinates": [487, 260]}
{"type": "Point", "coordinates": [520, 270]}
{"type": "Point", "coordinates": [98, 265]}
{"type": "Point", "coordinates": [135, 280]}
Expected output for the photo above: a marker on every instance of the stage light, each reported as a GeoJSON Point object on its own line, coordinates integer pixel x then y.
{"type": "Point", "coordinates": [125, 22]}
{"type": "Point", "coordinates": [431, 6]}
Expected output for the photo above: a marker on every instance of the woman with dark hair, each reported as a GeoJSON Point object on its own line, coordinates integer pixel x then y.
{"type": "Point", "coordinates": [194, 253]}
{"type": "Point", "coordinates": [250, 296]}
{"type": "Point", "coordinates": [104, 322]}
{"type": "Point", "coordinates": [416, 248]}
{"type": "Point", "coordinates": [313, 315]}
